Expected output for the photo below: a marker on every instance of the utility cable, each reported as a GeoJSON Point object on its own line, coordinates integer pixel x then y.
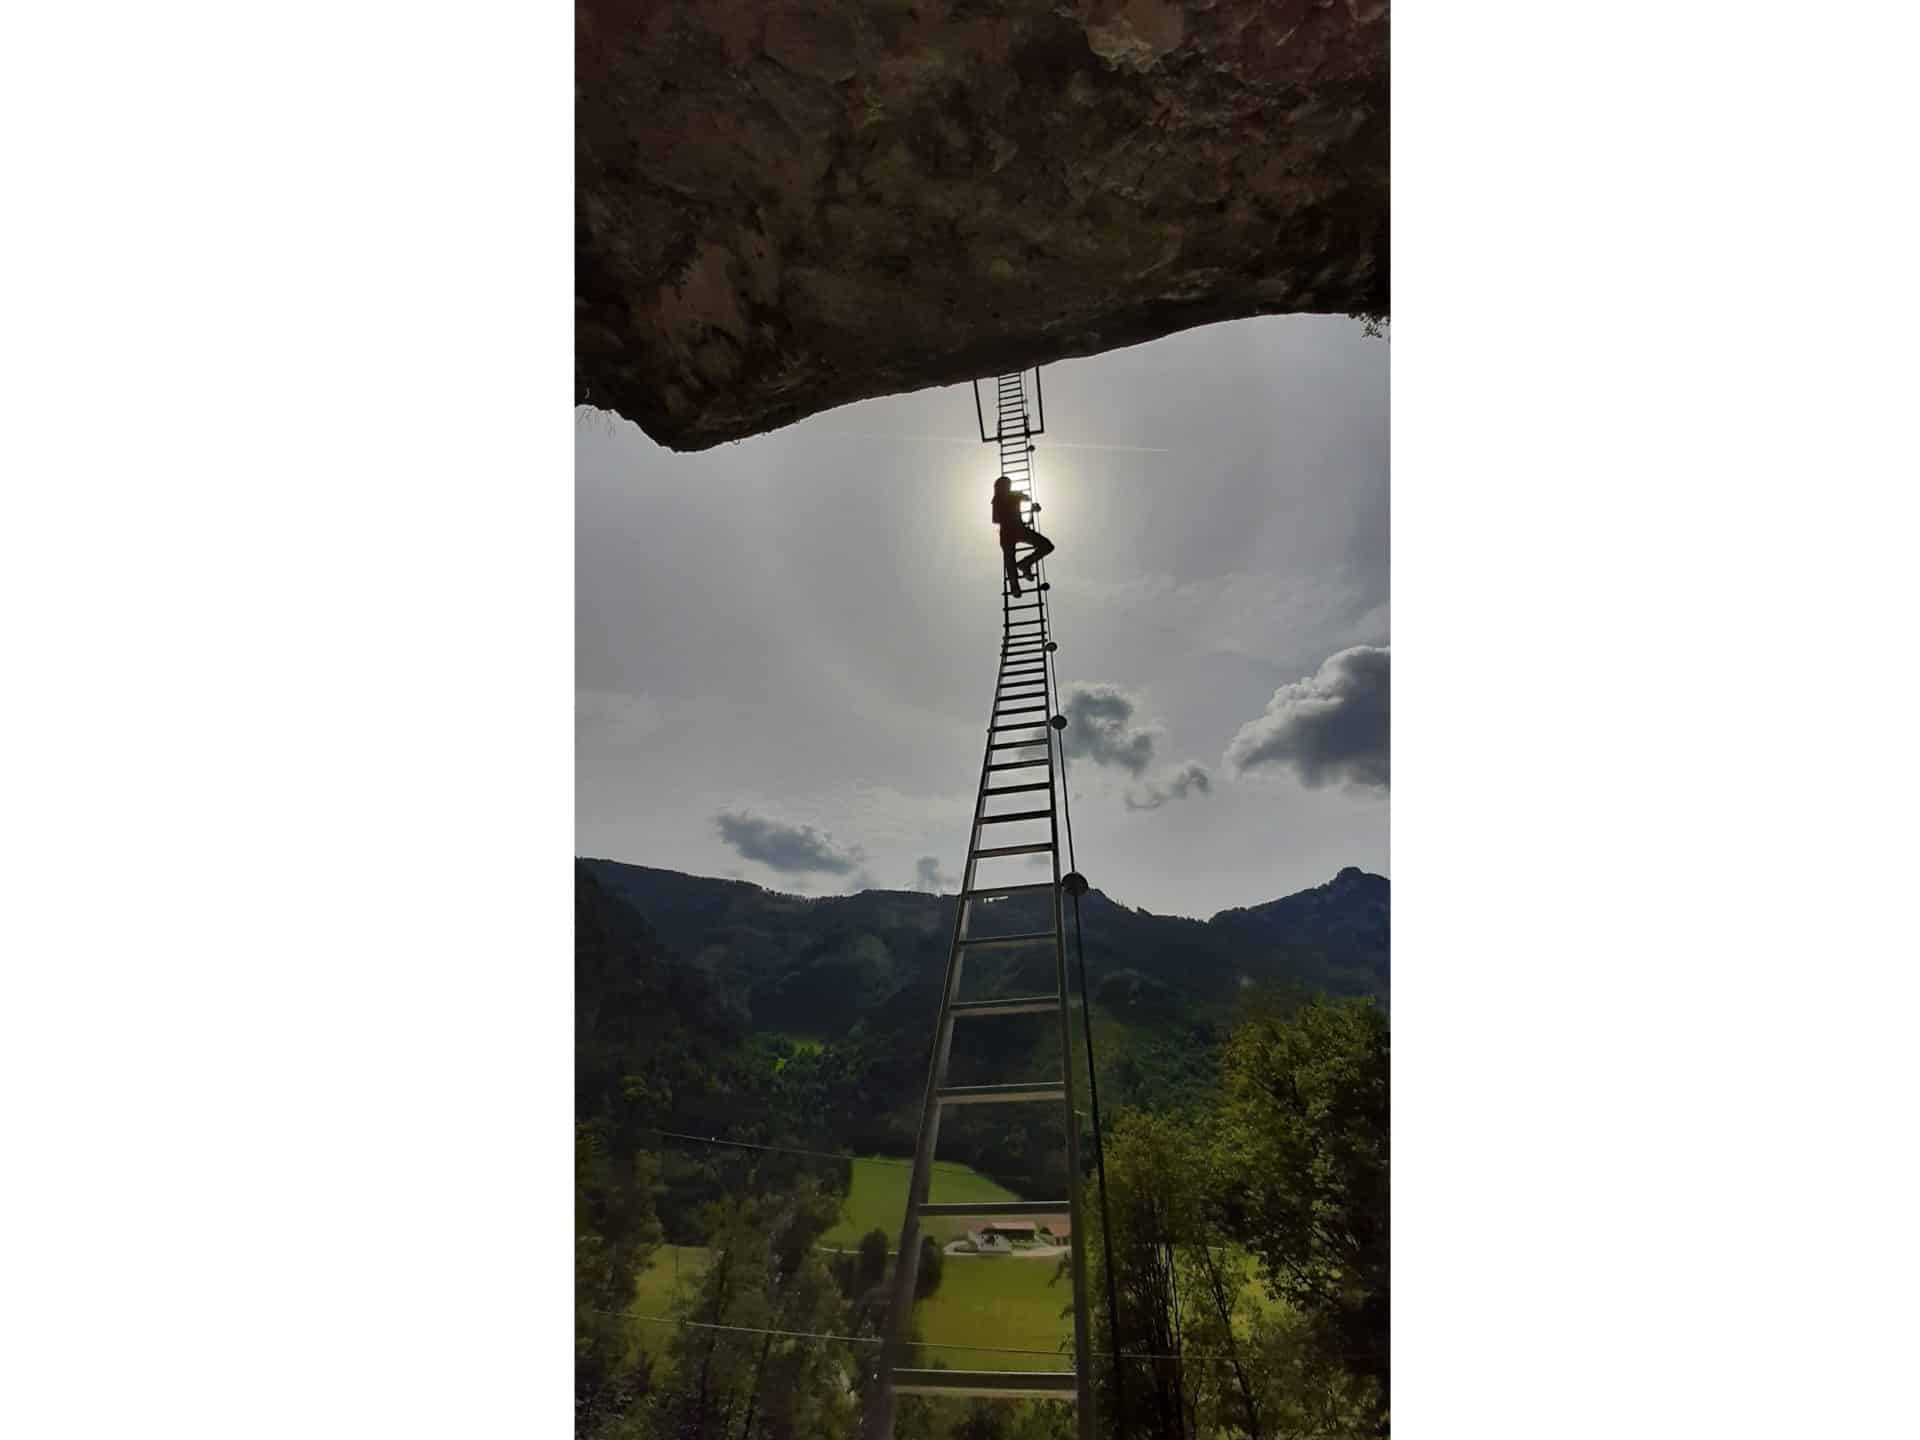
{"type": "Point", "coordinates": [1210, 1356]}
{"type": "Point", "coordinates": [781, 1149]}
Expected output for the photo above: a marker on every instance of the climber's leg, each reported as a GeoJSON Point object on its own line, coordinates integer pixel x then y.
{"type": "Point", "coordinates": [1042, 547]}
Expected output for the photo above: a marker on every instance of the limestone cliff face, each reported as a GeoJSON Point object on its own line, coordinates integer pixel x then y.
{"type": "Point", "coordinates": [783, 207]}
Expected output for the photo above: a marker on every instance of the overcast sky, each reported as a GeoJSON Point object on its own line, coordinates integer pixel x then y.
{"type": "Point", "coordinates": [786, 646]}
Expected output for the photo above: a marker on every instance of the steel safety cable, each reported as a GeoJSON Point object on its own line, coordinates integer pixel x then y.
{"type": "Point", "coordinates": [1044, 594]}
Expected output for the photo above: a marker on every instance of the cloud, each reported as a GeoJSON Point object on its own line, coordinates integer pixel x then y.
{"type": "Point", "coordinates": [1100, 728]}
{"type": "Point", "coordinates": [790, 849]}
{"type": "Point", "coordinates": [1191, 778]}
{"type": "Point", "coordinates": [1328, 728]}
{"type": "Point", "coordinates": [927, 876]}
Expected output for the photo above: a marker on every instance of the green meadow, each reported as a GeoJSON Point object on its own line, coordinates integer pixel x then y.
{"type": "Point", "coordinates": [878, 1200]}
{"type": "Point", "coordinates": [676, 1270]}
{"type": "Point", "coordinates": [1001, 1302]}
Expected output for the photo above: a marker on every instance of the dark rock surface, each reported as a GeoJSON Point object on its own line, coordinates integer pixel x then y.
{"type": "Point", "coordinates": [785, 207]}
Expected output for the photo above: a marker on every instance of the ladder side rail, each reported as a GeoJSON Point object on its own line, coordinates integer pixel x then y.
{"type": "Point", "coordinates": [907, 1264]}
{"type": "Point", "coordinates": [1077, 1252]}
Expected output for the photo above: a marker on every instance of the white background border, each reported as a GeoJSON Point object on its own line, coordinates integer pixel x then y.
{"type": "Point", "coordinates": [285, 1039]}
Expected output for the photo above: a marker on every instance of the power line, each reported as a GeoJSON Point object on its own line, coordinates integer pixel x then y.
{"type": "Point", "coordinates": [952, 1165]}
{"type": "Point", "coordinates": [779, 1149]}
{"type": "Point", "coordinates": [1211, 1356]}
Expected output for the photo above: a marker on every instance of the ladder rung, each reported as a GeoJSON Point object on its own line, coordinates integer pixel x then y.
{"type": "Point", "coordinates": [989, 942]}
{"type": "Point", "coordinates": [1002, 1094]}
{"type": "Point", "coordinates": [1023, 709]}
{"type": "Point", "coordinates": [1017, 744]}
{"type": "Point", "coordinates": [1010, 1384]}
{"type": "Point", "coordinates": [1038, 692]}
{"type": "Point", "coordinates": [994, 1209]}
{"type": "Point", "coordinates": [1040, 669]}
{"type": "Point", "coordinates": [1044, 887]}
{"type": "Point", "coordinates": [993, 852]}
{"type": "Point", "coordinates": [1016, 815]}
{"type": "Point", "coordinates": [1016, 789]}
{"type": "Point", "coordinates": [1046, 759]}
{"type": "Point", "coordinates": [1012, 1005]}
{"type": "Point", "coordinates": [1033, 605]}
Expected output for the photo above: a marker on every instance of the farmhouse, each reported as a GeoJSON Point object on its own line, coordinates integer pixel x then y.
{"type": "Point", "coordinates": [1002, 1235]}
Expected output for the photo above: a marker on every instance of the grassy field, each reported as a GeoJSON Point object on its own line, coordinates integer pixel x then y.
{"type": "Point", "coordinates": [981, 1301]}
{"type": "Point", "coordinates": [675, 1268]}
{"type": "Point", "coordinates": [879, 1200]}
{"type": "Point", "coordinates": [1000, 1301]}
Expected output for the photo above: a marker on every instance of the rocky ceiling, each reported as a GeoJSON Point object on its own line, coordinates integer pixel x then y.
{"type": "Point", "coordinates": [786, 207]}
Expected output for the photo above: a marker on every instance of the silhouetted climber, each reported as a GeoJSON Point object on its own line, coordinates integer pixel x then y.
{"type": "Point", "coordinates": [1013, 530]}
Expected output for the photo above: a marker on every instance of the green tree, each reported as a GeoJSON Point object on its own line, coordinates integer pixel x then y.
{"type": "Point", "coordinates": [615, 1236]}
{"type": "Point", "coordinates": [933, 1259]}
{"type": "Point", "coordinates": [872, 1268]}
{"type": "Point", "coordinates": [735, 1377]}
{"type": "Point", "coordinates": [1150, 1162]}
{"type": "Point", "coordinates": [1303, 1129]}
{"type": "Point", "coordinates": [984, 1420]}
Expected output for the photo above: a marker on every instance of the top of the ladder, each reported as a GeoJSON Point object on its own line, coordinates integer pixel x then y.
{"type": "Point", "coordinates": [1033, 422]}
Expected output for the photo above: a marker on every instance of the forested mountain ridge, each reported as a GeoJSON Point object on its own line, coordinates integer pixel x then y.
{"type": "Point", "coordinates": [796, 964]}
{"type": "Point", "coordinates": [724, 1066]}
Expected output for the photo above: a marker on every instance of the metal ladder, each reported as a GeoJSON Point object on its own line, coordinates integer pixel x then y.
{"type": "Point", "coordinates": [1025, 687]}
